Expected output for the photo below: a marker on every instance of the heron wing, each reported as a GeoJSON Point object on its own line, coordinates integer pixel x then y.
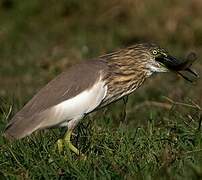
{"type": "Point", "coordinates": [72, 93]}
{"type": "Point", "coordinates": [65, 86]}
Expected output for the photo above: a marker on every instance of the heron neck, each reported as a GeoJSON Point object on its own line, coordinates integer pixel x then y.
{"type": "Point", "coordinates": [124, 75]}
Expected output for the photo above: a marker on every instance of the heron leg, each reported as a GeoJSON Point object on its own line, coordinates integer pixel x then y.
{"type": "Point", "coordinates": [60, 145]}
{"type": "Point", "coordinates": [124, 113]}
{"type": "Point", "coordinates": [67, 140]}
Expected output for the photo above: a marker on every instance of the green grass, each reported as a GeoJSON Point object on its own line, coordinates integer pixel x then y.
{"type": "Point", "coordinates": [165, 147]}
{"type": "Point", "coordinates": [159, 139]}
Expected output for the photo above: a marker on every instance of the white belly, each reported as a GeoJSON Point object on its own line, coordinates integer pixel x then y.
{"type": "Point", "coordinates": [76, 107]}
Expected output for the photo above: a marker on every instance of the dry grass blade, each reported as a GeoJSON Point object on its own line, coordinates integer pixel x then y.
{"type": "Point", "coordinates": [195, 106]}
{"type": "Point", "coordinates": [151, 103]}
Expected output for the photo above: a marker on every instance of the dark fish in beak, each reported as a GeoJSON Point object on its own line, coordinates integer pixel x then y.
{"type": "Point", "coordinates": [182, 67]}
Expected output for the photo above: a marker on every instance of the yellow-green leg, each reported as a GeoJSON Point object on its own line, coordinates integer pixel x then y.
{"type": "Point", "coordinates": [67, 140]}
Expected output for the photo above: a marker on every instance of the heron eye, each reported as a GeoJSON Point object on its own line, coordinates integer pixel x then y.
{"type": "Point", "coordinates": [154, 52]}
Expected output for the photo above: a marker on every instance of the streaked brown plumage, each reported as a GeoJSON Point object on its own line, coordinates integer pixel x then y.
{"type": "Point", "coordinates": [127, 71]}
{"type": "Point", "coordinates": [87, 87]}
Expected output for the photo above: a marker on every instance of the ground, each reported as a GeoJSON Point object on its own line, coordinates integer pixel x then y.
{"type": "Point", "coordinates": [161, 135]}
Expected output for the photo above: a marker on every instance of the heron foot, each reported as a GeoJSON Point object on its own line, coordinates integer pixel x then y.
{"type": "Point", "coordinates": [61, 143]}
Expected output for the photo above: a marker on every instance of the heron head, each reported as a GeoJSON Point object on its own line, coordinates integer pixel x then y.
{"type": "Point", "coordinates": [155, 58]}
{"type": "Point", "coordinates": [159, 60]}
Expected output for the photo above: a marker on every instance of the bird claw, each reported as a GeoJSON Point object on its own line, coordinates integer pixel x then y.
{"type": "Point", "coordinates": [61, 144]}
{"type": "Point", "coordinates": [83, 157]}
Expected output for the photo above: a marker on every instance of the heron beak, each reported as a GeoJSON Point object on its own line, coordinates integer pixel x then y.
{"type": "Point", "coordinates": [181, 67]}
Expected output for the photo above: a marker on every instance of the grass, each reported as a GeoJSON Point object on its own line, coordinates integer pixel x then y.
{"type": "Point", "coordinates": [161, 136]}
{"type": "Point", "coordinates": [165, 149]}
